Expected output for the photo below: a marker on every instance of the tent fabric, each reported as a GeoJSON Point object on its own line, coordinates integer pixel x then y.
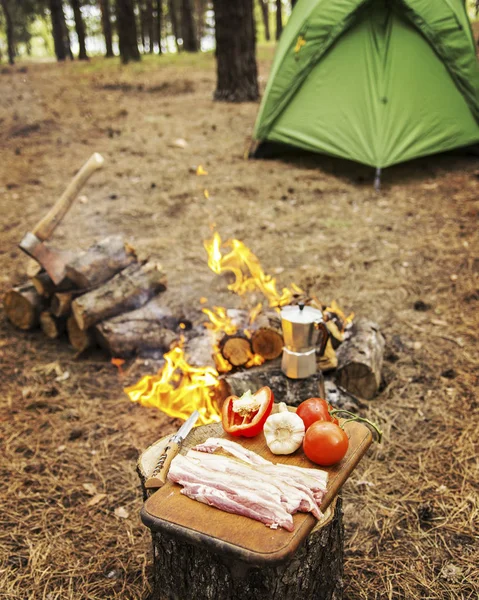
{"type": "Point", "coordinates": [374, 81]}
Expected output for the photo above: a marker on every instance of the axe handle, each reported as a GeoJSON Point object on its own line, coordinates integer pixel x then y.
{"type": "Point", "coordinates": [48, 224]}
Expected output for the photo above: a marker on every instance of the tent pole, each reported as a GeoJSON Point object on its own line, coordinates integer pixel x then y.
{"type": "Point", "coordinates": [377, 179]}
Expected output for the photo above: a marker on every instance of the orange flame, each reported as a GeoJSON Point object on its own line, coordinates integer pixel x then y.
{"type": "Point", "coordinates": [335, 309]}
{"type": "Point", "coordinates": [179, 389]}
{"type": "Point", "coordinates": [249, 275]}
{"type": "Point", "coordinates": [219, 320]}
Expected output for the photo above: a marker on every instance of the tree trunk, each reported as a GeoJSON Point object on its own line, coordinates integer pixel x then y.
{"type": "Point", "coordinates": [59, 30]}
{"type": "Point", "coordinates": [264, 4]}
{"type": "Point", "coordinates": [9, 28]}
{"type": "Point", "coordinates": [106, 25]}
{"type": "Point", "coordinates": [150, 26]}
{"type": "Point", "coordinates": [279, 19]}
{"type": "Point", "coordinates": [126, 23]}
{"type": "Point", "coordinates": [80, 29]}
{"type": "Point", "coordinates": [237, 73]}
{"type": "Point", "coordinates": [190, 41]}
{"type": "Point", "coordinates": [174, 21]}
{"type": "Point", "coordinates": [200, 7]}
{"type": "Point", "coordinates": [159, 23]}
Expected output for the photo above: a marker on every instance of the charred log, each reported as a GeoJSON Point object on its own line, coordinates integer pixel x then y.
{"type": "Point", "coordinates": [291, 391]}
{"type": "Point", "coordinates": [236, 349]}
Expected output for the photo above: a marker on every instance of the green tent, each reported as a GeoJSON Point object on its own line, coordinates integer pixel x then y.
{"type": "Point", "coordinates": [374, 81]}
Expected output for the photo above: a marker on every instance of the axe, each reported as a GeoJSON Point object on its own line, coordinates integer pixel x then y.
{"type": "Point", "coordinates": [51, 260]}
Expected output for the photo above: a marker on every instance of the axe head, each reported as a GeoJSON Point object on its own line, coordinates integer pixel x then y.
{"type": "Point", "coordinates": [51, 260]}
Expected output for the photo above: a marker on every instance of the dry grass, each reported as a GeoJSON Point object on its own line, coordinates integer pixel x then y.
{"type": "Point", "coordinates": [70, 444]}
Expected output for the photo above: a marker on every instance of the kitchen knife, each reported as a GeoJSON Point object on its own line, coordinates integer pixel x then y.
{"type": "Point", "coordinates": [158, 478]}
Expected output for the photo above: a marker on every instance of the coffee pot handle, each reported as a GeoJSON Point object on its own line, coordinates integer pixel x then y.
{"type": "Point", "coordinates": [323, 337]}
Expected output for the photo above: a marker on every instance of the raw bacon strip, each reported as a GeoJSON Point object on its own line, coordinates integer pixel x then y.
{"type": "Point", "coordinates": [233, 448]}
{"type": "Point", "coordinates": [255, 497]}
{"type": "Point", "coordinates": [315, 479]}
{"type": "Point", "coordinates": [294, 496]}
{"type": "Point", "coordinates": [237, 504]}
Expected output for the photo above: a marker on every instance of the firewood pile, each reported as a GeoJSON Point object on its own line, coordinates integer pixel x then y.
{"type": "Point", "coordinates": [108, 297]}
{"type": "Point", "coordinates": [111, 298]}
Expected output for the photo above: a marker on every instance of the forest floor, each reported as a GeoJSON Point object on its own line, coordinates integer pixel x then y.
{"type": "Point", "coordinates": [407, 257]}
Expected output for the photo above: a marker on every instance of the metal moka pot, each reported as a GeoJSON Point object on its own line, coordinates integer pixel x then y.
{"type": "Point", "coordinates": [305, 336]}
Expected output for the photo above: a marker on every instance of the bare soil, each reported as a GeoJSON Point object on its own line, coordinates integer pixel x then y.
{"type": "Point", "coordinates": [407, 257]}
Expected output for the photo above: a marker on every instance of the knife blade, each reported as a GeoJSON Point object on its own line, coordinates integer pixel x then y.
{"type": "Point", "coordinates": [158, 478]}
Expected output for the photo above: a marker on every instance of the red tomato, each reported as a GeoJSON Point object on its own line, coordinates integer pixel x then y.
{"type": "Point", "coordinates": [325, 443]}
{"type": "Point", "coordinates": [314, 409]}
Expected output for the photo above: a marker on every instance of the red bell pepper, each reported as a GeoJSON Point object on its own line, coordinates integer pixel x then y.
{"type": "Point", "coordinates": [245, 416]}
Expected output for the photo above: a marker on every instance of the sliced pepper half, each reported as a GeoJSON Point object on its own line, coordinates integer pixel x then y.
{"type": "Point", "coordinates": [246, 415]}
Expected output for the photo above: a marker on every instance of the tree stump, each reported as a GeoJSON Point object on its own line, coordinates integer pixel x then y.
{"type": "Point", "coordinates": [183, 570]}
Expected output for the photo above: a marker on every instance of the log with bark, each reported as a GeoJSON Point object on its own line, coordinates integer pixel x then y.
{"type": "Point", "coordinates": [151, 327]}
{"type": "Point", "coordinates": [236, 349]}
{"type": "Point", "coordinates": [61, 303]}
{"type": "Point", "coordinates": [53, 327]}
{"type": "Point", "coordinates": [79, 339]}
{"type": "Point", "coordinates": [128, 290]}
{"type": "Point", "coordinates": [100, 262]}
{"type": "Point", "coordinates": [360, 359]}
{"type": "Point", "coordinates": [314, 571]}
{"type": "Point", "coordinates": [291, 391]}
{"type": "Point", "coordinates": [263, 337]}
{"type": "Point", "coordinates": [23, 306]}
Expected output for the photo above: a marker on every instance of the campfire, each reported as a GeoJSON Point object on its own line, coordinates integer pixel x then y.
{"type": "Point", "coordinates": [112, 298]}
{"type": "Point", "coordinates": [239, 338]}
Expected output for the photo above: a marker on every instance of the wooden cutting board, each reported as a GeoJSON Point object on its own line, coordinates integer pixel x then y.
{"type": "Point", "coordinates": [169, 511]}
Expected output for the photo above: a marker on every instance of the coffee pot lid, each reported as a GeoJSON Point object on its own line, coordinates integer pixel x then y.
{"type": "Point", "coordinates": [301, 314]}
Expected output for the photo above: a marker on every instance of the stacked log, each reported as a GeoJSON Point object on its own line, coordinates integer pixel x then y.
{"type": "Point", "coordinates": [99, 300]}
{"type": "Point", "coordinates": [110, 298]}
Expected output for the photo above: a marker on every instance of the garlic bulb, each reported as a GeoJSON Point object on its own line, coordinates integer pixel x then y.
{"type": "Point", "coordinates": [284, 431]}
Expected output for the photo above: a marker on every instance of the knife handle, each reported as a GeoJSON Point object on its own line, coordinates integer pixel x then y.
{"type": "Point", "coordinates": [158, 477]}
{"type": "Point", "coordinates": [48, 224]}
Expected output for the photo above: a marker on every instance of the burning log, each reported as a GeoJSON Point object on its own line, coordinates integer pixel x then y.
{"type": "Point", "coordinates": [128, 290]}
{"type": "Point", "coordinates": [360, 359]}
{"type": "Point", "coordinates": [236, 349]}
{"type": "Point", "coordinates": [151, 327]}
{"type": "Point", "coordinates": [200, 350]}
{"type": "Point", "coordinates": [53, 327]}
{"type": "Point", "coordinates": [23, 306]}
{"type": "Point", "coordinates": [100, 262]}
{"type": "Point", "coordinates": [79, 339]}
{"type": "Point", "coordinates": [267, 335]}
